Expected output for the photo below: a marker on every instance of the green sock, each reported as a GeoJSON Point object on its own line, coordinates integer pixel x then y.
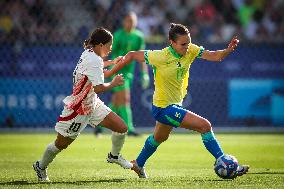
{"type": "Point", "coordinates": [126, 114]}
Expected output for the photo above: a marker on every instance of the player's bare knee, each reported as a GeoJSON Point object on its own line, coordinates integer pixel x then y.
{"type": "Point", "coordinates": [205, 126]}
{"type": "Point", "coordinates": [126, 100]}
{"type": "Point", "coordinates": [122, 129]}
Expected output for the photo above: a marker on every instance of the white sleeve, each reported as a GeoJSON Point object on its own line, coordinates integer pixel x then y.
{"type": "Point", "coordinates": [95, 75]}
{"type": "Point", "coordinates": [93, 69]}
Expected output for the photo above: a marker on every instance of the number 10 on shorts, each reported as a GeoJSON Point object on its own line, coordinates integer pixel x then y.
{"type": "Point", "coordinates": [74, 127]}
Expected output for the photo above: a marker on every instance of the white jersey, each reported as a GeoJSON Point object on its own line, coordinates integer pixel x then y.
{"type": "Point", "coordinates": [87, 74]}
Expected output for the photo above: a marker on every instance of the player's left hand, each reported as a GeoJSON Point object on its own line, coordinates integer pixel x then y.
{"type": "Point", "coordinates": [233, 44]}
{"type": "Point", "coordinates": [118, 80]}
{"type": "Point", "coordinates": [106, 72]}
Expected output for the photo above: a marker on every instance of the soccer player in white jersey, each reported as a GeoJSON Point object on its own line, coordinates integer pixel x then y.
{"type": "Point", "coordinates": [84, 107]}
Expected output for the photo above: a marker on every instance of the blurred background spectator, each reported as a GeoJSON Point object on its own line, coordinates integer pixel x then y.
{"type": "Point", "coordinates": [69, 21]}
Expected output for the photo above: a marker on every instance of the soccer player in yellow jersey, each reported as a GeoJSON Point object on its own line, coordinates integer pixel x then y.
{"type": "Point", "coordinates": [171, 72]}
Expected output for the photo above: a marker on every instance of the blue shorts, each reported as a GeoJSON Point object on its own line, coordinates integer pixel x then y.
{"type": "Point", "coordinates": [171, 115]}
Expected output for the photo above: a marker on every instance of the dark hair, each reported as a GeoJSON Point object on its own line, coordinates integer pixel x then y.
{"type": "Point", "coordinates": [98, 36]}
{"type": "Point", "coordinates": [177, 29]}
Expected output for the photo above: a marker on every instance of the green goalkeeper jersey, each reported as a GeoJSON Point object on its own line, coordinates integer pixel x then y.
{"type": "Point", "coordinates": [123, 42]}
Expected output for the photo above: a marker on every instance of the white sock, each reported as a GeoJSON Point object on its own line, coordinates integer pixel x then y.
{"type": "Point", "coordinates": [117, 140]}
{"type": "Point", "coordinates": [48, 156]}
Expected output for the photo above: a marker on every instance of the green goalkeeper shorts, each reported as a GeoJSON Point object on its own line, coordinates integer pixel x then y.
{"type": "Point", "coordinates": [128, 73]}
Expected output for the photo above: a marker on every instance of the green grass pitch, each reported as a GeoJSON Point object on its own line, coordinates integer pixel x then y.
{"type": "Point", "coordinates": [181, 162]}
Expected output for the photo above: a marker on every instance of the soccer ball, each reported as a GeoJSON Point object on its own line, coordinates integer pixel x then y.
{"type": "Point", "coordinates": [226, 167]}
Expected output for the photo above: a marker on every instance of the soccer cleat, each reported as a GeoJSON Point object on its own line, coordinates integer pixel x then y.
{"type": "Point", "coordinates": [41, 173]}
{"type": "Point", "coordinates": [119, 160]}
{"type": "Point", "coordinates": [242, 169]}
{"type": "Point", "coordinates": [139, 170]}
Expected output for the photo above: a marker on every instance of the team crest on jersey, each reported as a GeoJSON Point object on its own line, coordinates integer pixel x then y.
{"type": "Point", "coordinates": [178, 64]}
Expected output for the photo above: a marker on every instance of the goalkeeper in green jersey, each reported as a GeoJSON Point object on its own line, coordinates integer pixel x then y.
{"type": "Point", "coordinates": [126, 39]}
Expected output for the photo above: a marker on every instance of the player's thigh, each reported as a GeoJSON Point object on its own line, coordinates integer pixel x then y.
{"type": "Point", "coordinates": [162, 132]}
{"type": "Point", "coordinates": [102, 115]}
{"type": "Point", "coordinates": [113, 122]}
{"type": "Point", "coordinates": [195, 122]}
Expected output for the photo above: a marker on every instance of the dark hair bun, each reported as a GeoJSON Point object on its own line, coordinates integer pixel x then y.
{"type": "Point", "coordinates": [172, 25]}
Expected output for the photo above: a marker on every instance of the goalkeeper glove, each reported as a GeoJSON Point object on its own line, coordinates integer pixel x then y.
{"type": "Point", "coordinates": [145, 80]}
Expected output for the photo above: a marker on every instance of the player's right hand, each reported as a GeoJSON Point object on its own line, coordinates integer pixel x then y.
{"type": "Point", "coordinates": [233, 44]}
{"type": "Point", "coordinates": [117, 59]}
{"type": "Point", "coordinates": [118, 80]}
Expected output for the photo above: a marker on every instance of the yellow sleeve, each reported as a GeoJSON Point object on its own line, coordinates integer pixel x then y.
{"type": "Point", "coordinates": [195, 51]}
{"type": "Point", "coordinates": [153, 57]}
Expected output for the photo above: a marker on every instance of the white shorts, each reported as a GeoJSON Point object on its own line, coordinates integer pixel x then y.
{"type": "Point", "coordinates": [72, 128]}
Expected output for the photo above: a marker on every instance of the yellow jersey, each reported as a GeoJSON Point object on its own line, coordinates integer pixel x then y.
{"type": "Point", "coordinates": [171, 73]}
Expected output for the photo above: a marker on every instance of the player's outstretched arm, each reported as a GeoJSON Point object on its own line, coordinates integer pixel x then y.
{"type": "Point", "coordinates": [130, 56]}
{"type": "Point", "coordinates": [118, 65]}
{"type": "Point", "coordinates": [219, 55]}
{"type": "Point", "coordinates": [112, 62]}
{"type": "Point", "coordinates": [139, 57]}
{"type": "Point", "coordinates": [117, 81]}
{"type": "Point", "coordinates": [134, 55]}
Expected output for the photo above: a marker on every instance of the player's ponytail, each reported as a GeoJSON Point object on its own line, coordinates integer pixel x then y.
{"type": "Point", "coordinates": [98, 36]}
{"type": "Point", "coordinates": [177, 29]}
{"type": "Point", "coordinates": [86, 44]}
